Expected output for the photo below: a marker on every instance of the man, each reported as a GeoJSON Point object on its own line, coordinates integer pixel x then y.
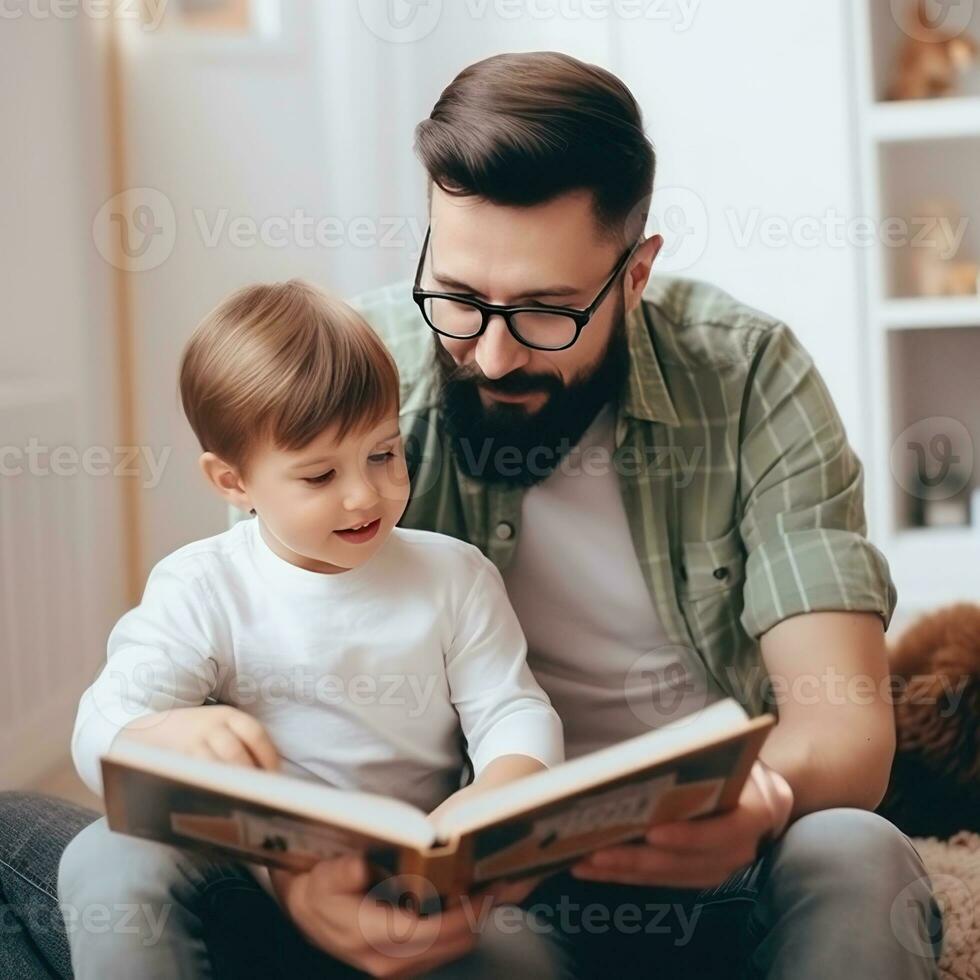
{"type": "Point", "coordinates": [661, 477]}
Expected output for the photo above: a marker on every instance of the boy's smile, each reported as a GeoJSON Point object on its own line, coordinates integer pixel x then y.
{"type": "Point", "coordinates": [331, 505]}
{"type": "Point", "coordinates": [360, 534]}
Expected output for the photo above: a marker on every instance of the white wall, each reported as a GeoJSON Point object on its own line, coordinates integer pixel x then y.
{"type": "Point", "coordinates": [748, 106]}
{"type": "Point", "coordinates": [61, 584]}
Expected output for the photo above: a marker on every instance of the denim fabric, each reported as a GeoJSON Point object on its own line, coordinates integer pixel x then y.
{"type": "Point", "coordinates": [34, 830]}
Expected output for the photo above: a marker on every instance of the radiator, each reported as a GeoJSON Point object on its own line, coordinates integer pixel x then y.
{"type": "Point", "coordinates": [42, 588]}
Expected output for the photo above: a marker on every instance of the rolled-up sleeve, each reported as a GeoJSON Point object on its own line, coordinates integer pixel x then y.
{"type": "Point", "coordinates": [803, 521]}
{"type": "Point", "coordinates": [501, 708]}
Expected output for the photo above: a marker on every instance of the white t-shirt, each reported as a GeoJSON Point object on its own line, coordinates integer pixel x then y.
{"type": "Point", "coordinates": [596, 643]}
{"type": "Point", "coordinates": [363, 679]}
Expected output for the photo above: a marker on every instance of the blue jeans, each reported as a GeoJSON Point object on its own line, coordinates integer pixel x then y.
{"type": "Point", "coordinates": [34, 831]}
{"type": "Point", "coordinates": [843, 892]}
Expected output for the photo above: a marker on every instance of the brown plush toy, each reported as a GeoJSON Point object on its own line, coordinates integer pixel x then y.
{"type": "Point", "coordinates": [931, 59]}
{"type": "Point", "coordinates": [935, 782]}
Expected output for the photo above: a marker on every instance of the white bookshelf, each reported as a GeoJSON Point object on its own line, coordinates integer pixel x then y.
{"type": "Point", "coordinates": [925, 312]}
{"type": "Point", "coordinates": [923, 352]}
{"type": "Point", "coordinates": [948, 118]}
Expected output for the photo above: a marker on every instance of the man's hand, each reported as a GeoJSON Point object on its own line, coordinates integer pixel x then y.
{"type": "Point", "coordinates": [218, 732]}
{"type": "Point", "coordinates": [330, 905]}
{"type": "Point", "coordinates": [700, 853]}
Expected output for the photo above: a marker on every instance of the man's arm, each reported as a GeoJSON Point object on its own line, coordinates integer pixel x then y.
{"type": "Point", "coordinates": [816, 595]}
{"type": "Point", "coordinates": [835, 739]}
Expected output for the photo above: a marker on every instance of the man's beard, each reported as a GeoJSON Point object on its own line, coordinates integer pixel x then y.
{"type": "Point", "coordinates": [505, 444]}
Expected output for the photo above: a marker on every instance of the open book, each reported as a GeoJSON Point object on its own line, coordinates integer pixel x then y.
{"type": "Point", "coordinates": [694, 766]}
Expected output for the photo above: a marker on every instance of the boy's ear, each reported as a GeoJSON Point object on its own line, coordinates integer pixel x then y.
{"type": "Point", "coordinates": [225, 479]}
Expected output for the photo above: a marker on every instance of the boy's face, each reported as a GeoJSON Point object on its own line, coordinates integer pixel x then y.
{"type": "Point", "coordinates": [308, 499]}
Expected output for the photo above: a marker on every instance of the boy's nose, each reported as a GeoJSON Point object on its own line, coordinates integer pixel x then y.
{"type": "Point", "coordinates": [498, 352]}
{"type": "Point", "coordinates": [360, 495]}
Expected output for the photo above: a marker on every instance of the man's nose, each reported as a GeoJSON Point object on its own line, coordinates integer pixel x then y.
{"type": "Point", "coordinates": [498, 352]}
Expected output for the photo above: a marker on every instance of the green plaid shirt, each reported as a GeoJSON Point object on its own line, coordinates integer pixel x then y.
{"type": "Point", "coordinates": [744, 499]}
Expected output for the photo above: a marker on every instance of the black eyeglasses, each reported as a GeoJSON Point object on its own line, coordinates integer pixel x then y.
{"type": "Point", "coordinates": [535, 325]}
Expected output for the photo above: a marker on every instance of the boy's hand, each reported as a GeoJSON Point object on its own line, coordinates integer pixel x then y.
{"type": "Point", "coordinates": [218, 732]}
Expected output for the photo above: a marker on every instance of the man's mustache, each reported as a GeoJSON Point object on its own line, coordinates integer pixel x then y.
{"type": "Point", "coordinates": [515, 383]}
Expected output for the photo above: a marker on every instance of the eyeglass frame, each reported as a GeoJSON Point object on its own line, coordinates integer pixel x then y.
{"type": "Point", "coordinates": [488, 310]}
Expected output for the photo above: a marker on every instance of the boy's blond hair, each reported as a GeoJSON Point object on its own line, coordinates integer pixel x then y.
{"type": "Point", "coordinates": [283, 362]}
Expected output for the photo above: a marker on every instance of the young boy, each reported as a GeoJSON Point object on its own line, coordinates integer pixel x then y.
{"type": "Point", "coordinates": [339, 647]}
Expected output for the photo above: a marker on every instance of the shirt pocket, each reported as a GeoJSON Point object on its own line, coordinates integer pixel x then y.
{"type": "Point", "coordinates": [711, 568]}
{"type": "Point", "coordinates": [709, 590]}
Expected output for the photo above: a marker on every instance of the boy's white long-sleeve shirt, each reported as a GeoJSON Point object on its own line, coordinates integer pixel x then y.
{"type": "Point", "coordinates": [367, 679]}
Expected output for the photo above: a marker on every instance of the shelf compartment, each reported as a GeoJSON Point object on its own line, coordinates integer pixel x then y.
{"type": "Point", "coordinates": [933, 387]}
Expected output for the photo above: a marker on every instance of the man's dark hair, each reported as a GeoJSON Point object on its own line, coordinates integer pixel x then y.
{"type": "Point", "coordinates": [522, 129]}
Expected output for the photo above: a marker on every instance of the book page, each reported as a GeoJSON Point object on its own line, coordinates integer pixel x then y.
{"type": "Point", "coordinates": [207, 789]}
{"type": "Point", "coordinates": [701, 727]}
{"type": "Point", "coordinates": [568, 829]}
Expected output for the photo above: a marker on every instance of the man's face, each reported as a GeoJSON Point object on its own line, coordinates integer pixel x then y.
{"type": "Point", "coordinates": [507, 405]}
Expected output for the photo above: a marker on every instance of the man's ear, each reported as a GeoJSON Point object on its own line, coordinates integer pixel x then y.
{"type": "Point", "coordinates": [639, 268]}
{"type": "Point", "coordinates": [226, 480]}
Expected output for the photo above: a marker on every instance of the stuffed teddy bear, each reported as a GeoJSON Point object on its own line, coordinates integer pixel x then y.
{"type": "Point", "coordinates": [931, 60]}
{"type": "Point", "coordinates": [934, 789]}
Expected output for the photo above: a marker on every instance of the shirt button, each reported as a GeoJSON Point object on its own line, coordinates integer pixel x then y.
{"type": "Point", "coordinates": [720, 573]}
{"type": "Point", "coordinates": [504, 531]}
